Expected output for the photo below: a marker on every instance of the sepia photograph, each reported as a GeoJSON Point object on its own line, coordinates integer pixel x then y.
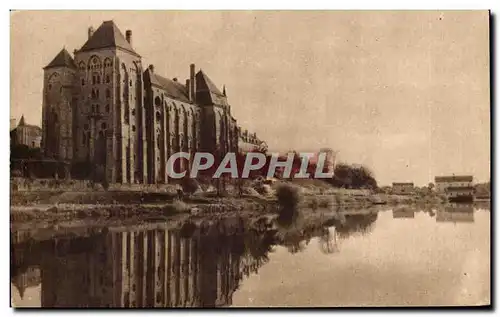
{"type": "Point", "coordinates": [202, 159]}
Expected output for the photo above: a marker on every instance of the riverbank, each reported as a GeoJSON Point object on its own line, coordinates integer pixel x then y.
{"type": "Point", "coordinates": [43, 203]}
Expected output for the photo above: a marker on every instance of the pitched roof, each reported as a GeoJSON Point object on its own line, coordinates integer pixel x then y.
{"type": "Point", "coordinates": [106, 36]}
{"type": "Point", "coordinates": [448, 179]}
{"type": "Point", "coordinates": [174, 89]}
{"type": "Point", "coordinates": [204, 82]}
{"type": "Point", "coordinates": [63, 59]}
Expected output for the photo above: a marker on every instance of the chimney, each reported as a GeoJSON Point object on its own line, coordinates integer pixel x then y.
{"type": "Point", "coordinates": [152, 68]}
{"type": "Point", "coordinates": [91, 32]}
{"type": "Point", "coordinates": [187, 85]}
{"type": "Point", "coordinates": [128, 36]}
{"type": "Point", "coordinates": [192, 83]}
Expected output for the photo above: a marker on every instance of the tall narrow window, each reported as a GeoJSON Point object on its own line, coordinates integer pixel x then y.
{"type": "Point", "coordinates": [107, 108]}
{"type": "Point", "coordinates": [108, 93]}
{"type": "Point", "coordinates": [98, 79]}
{"type": "Point", "coordinates": [108, 79]}
{"type": "Point", "coordinates": [94, 79]}
{"type": "Point", "coordinates": [83, 82]}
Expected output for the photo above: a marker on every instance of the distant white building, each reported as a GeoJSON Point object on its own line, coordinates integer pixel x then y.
{"type": "Point", "coordinates": [445, 182]}
{"type": "Point", "coordinates": [456, 188]}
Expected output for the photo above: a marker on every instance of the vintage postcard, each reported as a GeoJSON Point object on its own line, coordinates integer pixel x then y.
{"type": "Point", "coordinates": [250, 159]}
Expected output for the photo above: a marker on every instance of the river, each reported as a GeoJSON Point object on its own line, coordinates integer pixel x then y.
{"type": "Point", "coordinates": [393, 257]}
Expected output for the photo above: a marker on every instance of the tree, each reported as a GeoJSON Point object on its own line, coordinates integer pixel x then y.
{"type": "Point", "coordinates": [356, 177]}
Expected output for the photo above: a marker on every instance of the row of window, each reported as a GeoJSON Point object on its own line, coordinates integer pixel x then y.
{"type": "Point", "coordinates": [97, 109]}
{"type": "Point", "coordinates": [95, 93]}
{"type": "Point", "coordinates": [103, 126]}
{"type": "Point", "coordinates": [181, 143]}
{"type": "Point", "coordinates": [173, 106]}
{"type": "Point", "coordinates": [95, 63]}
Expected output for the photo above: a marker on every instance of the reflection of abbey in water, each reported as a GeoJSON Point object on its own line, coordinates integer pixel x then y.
{"type": "Point", "coordinates": [195, 266]}
{"type": "Point", "coordinates": [155, 268]}
{"type": "Point", "coordinates": [456, 214]}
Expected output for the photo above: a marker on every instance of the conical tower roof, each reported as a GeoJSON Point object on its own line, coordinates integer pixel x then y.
{"type": "Point", "coordinates": [22, 122]}
{"type": "Point", "coordinates": [63, 59]}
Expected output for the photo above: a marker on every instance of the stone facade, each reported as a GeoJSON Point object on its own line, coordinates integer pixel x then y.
{"type": "Point", "coordinates": [26, 134]}
{"type": "Point", "coordinates": [104, 108]}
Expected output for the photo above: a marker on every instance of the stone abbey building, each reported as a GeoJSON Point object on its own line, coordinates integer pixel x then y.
{"type": "Point", "coordinates": [102, 109]}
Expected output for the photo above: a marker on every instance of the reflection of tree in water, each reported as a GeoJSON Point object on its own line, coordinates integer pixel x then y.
{"type": "Point", "coordinates": [356, 224]}
{"type": "Point", "coordinates": [430, 210]}
{"type": "Point", "coordinates": [328, 242]}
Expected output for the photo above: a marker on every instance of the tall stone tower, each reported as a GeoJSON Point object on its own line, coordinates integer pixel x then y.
{"type": "Point", "coordinates": [110, 133]}
{"type": "Point", "coordinates": [57, 107]}
{"type": "Point", "coordinates": [219, 129]}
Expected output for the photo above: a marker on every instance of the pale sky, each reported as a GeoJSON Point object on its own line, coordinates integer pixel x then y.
{"type": "Point", "coordinates": [405, 93]}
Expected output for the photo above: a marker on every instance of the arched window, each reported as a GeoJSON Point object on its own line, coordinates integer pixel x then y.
{"type": "Point", "coordinates": [83, 82]}
{"type": "Point", "coordinates": [108, 79]}
{"type": "Point", "coordinates": [133, 128]}
{"type": "Point", "coordinates": [98, 79]}
{"type": "Point", "coordinates": [107, 108]}
{"type": "Point", "coordinates": [108, 93]}
{"type": "Point", "coordinates": [97, 109]}
{"type": "Point", "coordinates": [95, 62]}
{"type": "Point", "coordinates": [158, 116]}
{"type": "Point", "coordinates": [107, 63]}
{"type": "Point", "coordinates": [94, 79]}
{"type": "Point", "coordinates": [133, 112]}
{"type": "Point", "coordinates": [127, 118]}
{"type": "Point", "coordinates": [157, 101]}
{"type": "Point", "coordinates": [103, 125]}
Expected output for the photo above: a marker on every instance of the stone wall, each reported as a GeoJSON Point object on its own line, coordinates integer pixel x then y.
{"type": "Point", "coordinates": [25, 184]}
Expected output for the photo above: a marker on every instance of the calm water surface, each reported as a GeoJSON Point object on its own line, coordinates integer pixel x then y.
{"type": "Point", "coordinates": [363, 258]}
